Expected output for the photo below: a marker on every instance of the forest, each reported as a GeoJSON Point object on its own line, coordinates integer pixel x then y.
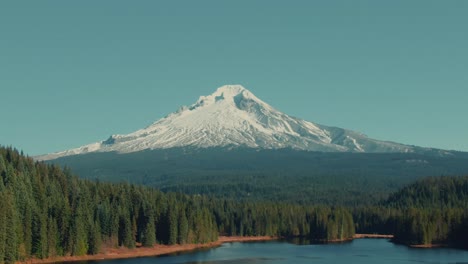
{"type": "Point", "coordinates": [280, 175]}
{"type": "Point", "coordinates": [433, 210]}
{"type": "Point", "coordinates": [46, 211]}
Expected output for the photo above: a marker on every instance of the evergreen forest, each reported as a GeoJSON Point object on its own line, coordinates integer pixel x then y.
{"type": "Point", "coordinates": [47, 211]}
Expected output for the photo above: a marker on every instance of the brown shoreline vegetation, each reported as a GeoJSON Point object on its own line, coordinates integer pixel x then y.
{"type": "Point", "coordinates": [357, 236]}
{"type": "Point", "coordinates": [156, 250]}
{"type": "Point", "coordinates": [429, 246]}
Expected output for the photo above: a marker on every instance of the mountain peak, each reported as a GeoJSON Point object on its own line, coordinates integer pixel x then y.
{"type": "Point", "coordinates": [233, 116]}
{"type": "Point", "coordinates": [230, 89]}
{"type": "Point", "coordinates": [229, 95]}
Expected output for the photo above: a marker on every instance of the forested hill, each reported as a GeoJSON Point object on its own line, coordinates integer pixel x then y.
{"type": "Point", "coordinates": [432, 192]}
{"type": "Point", "coordinates": [430, 211]}
{"type": "Point", "coordinates": [434, 211]}
{"type": "Point", "coordinates": [45, 211]}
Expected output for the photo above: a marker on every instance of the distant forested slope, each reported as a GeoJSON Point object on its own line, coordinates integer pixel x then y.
{"type": "Point", "coordinates": [349, 179]}
{"type": "Point", "coordinates": [433, 192]}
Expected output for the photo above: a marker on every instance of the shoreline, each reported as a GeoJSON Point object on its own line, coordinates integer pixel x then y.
{"type": "Point", "coordinates": [156, 250]}
{"type": "Point", "coordinates": [359, 236]}
{"type": "Point", "coordinates": [429, 246]}
{"type": "Point", "coordinates": [356, 236]}
{"type": "Point", "coordinates": [159, 250]}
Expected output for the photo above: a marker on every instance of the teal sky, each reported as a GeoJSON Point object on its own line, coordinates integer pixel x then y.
{"type": "Point", "coordinates": [75, 72]}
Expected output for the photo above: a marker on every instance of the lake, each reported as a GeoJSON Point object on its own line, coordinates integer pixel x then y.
{"type": "Point", "coordinates": [360, 251]}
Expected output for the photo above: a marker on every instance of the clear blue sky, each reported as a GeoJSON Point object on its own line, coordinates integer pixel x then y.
{"type": "Point", "coordinates": [75, 72]}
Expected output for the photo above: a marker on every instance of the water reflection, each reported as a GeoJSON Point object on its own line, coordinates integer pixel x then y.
{"type": "Point", "coordinates": [301, 241]}
{"type": "Point", "coordinates": [236, 261]}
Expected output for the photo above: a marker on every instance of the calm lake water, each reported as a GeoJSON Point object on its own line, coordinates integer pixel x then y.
{"type": "Point", "coordinates": [360, 251]}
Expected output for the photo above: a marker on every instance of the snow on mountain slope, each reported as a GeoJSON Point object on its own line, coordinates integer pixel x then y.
{"type": "Point", "coordinates": [234, 117]}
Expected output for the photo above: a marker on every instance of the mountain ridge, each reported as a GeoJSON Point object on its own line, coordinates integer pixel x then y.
{"type": "Point", "coordinates": [233, 116]}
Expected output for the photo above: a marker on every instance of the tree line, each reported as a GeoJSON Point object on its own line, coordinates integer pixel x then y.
{"type": "Point", "coordinates": [433, 210]}
{"type": "Point", "coordinates": [283, 220]}
{"type": "Point", "coordinates": [45, 211]}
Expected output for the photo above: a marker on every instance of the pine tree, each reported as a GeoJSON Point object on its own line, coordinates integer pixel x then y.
{"type": "Point", "coordinates": [79, 232]}
{"type": "Point", "coordinates": [125, 231]}
{"type": "Point", "coordinates": [52, 237]}
{"type": "Point", "coordinates": [2, 173]}
{"type": "Point", "coordinates": [183, 228]}
{"type": "Point", "coordinates": [11, 243]}
{"type": "Point", "coordinates": [94, 238]}
{"type": "Point", "coordinates": [149, 234]}
{"type": "Point", "coordinates": [173, 224]}
{"type": "Point", "coordinates": [27, 233]}
{"type": "Point", "coordinates": [39, 234]}
{"type": "Point", "coordinates": [3, 222]}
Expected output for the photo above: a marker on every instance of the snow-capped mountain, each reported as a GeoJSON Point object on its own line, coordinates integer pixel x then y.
{"type": "Point", "coordinates": [234, 117]}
